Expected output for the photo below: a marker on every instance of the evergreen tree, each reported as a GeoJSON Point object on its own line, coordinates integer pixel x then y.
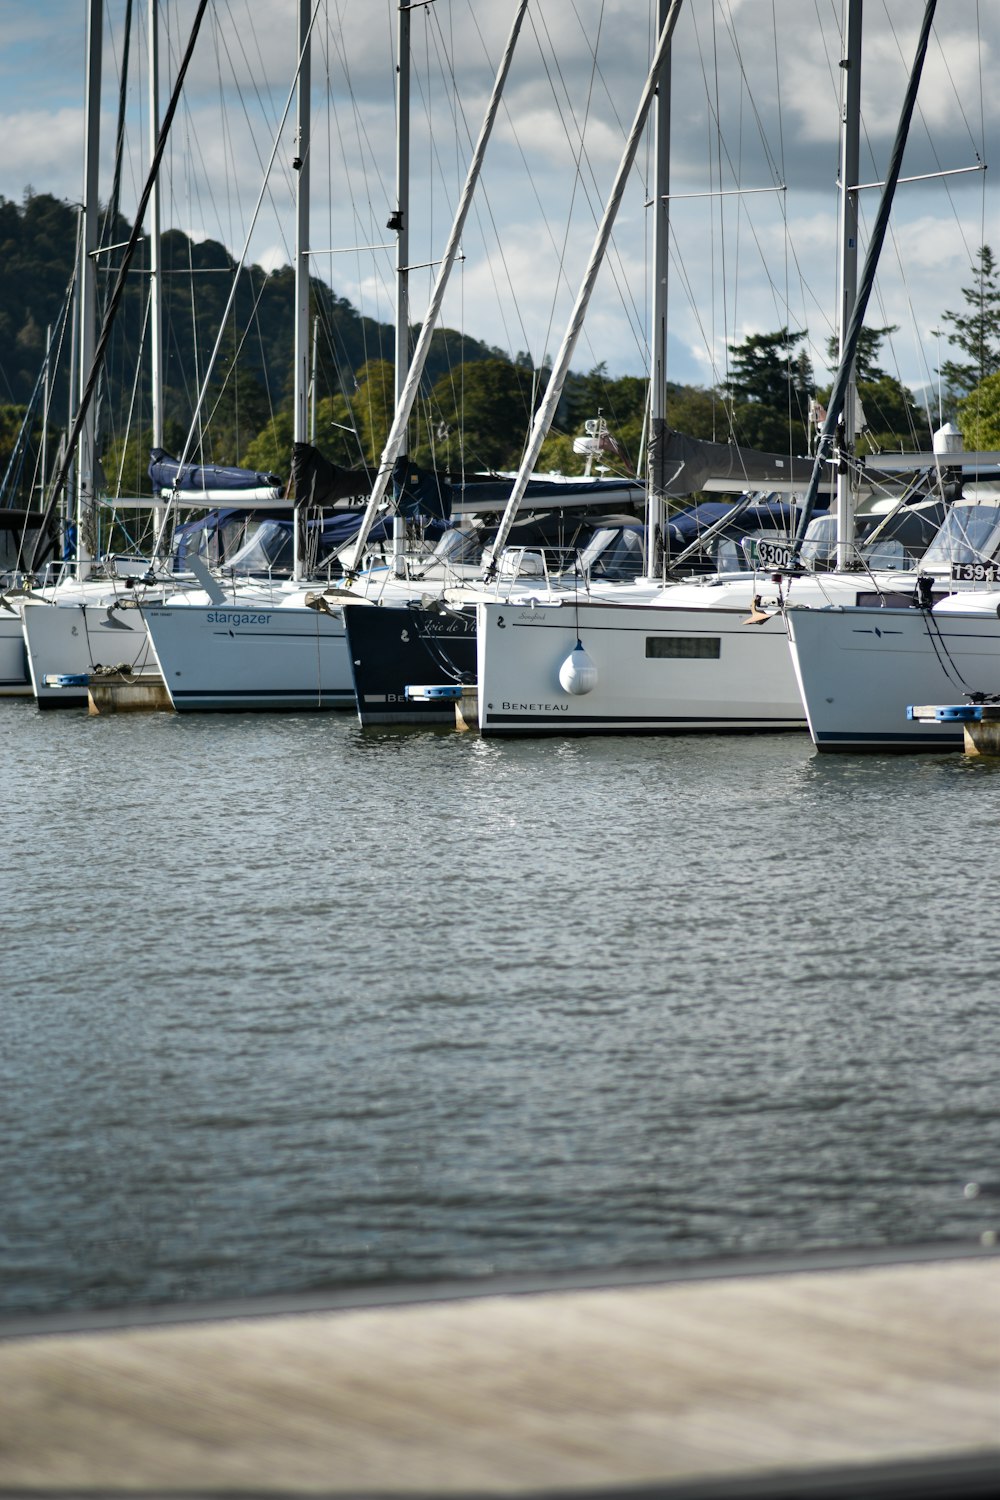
{"type": "Point", "coordinates": [769, 388]}
{"type": "Point", "coordinates": [866, 366]}
{"type": "Point", "coordinates": [976, 330]}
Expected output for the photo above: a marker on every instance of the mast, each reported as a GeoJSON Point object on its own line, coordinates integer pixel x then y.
{"type": "Point", "coordinates": [86, 468]}
{"type": "Point", "coordinates": [400, 221]}
{"type": "Point", "coordinates": [560, 368]}
{"type": "Point", "coordinates": [850, 157]}
{"type": "Point", "coordinates": [866, 284]}
{"type": "Point", "coordinates": [656, 509]}
{"type": "Point", "coordinates": [300, 163]}
{"type": "Point", "coordinates": [155, 273]}
{"type": "Point", "coordinates": [404, 406]}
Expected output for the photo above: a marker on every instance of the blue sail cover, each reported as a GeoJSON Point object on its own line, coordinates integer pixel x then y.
{"type": "Point", "coordinates": [420, 494]}
{"type": "Point", "coordinates": [165, 474]}
{"type": "Point", "coordinates": [767, 515]}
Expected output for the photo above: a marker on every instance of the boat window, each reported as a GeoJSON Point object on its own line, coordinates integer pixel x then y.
{"type": "Point", "coordinates": [613, 552]}
{"type": "Point", "coordinates": [689, 647]}
{"type": "Point", "coordinates": [269, 549]}
{"type": "Point", "coordinates": [458, 546]}
{"type": "Point", "coordinates": [969, 534]}
{"type": "Point", "coordinates": [820, 542]}
{"type": "Point", "coordinates": [595, 546]}
{"type": "Point", "coordinates": [887, 555]}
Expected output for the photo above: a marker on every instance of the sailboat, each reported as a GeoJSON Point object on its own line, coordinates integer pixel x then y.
{"type": "Point", "coordinates": [293, 653]}
{"type": "Point", "coordinates": [85, 615]}
{"type": "Point", "coordinates": [710, 655]}
{"type": "Point", "coordinates": [93, 617]}
{"type": "Point", "coordinates": [871, 678]}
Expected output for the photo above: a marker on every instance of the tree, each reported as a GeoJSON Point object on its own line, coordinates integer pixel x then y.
{"type": "Point", "coordinates": [979, 415]}
{"type": "Point", "coordinates": [769, 387]}
{"type": "Point", "coordinates": [976, 331]}
{"type": "Point", "coordinates": [372, 405]}
{"type": "Point", "coordinates": [868, 350]}
{"type": "Point", "coordinates": [767, 367]}
{"type": "Point", "coordinates": [482, 413]}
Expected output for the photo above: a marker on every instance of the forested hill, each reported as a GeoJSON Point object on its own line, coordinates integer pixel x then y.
{"type": "Point", "coordinates": [37, 245]}
{"type": "Point", "coordinates": [477, 401]}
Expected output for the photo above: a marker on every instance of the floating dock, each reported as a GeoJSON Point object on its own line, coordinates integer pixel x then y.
{"type": "Point", "coordinates": [980, 723]}
{"type": "Point", "coordinates": [839, 1376]}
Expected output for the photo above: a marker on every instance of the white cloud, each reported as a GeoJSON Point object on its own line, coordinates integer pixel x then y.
{"type": "Point", "coordinates": [740, 266]}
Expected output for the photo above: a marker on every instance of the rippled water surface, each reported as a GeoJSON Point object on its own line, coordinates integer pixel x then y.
{"type": "Point", "coordinates": [289, 1006]}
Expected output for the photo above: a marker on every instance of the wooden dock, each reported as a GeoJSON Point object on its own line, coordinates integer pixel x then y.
{"type": "Point", "coordinates": [847, 1377]}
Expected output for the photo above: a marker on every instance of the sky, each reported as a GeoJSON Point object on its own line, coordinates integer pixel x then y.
{"type": "Point", "coordinates": [754, 152]}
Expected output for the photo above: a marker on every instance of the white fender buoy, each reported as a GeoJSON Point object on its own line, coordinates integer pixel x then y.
{"type": "Point", "coordinates": [578, 673]}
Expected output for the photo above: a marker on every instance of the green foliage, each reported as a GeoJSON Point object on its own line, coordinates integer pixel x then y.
{"type": "Point", "coordinates": [480, 416]}
{"type": "Point", "coordinates": [976, 330]}
{"type": "Point", "coordinates": [699, 413]}
{"type": "Point", "coordinates": [769, 387]}
{"type": "Point", "coordinates": [270, 452]}
{"type": "Point", "coordinates": [979, 415]}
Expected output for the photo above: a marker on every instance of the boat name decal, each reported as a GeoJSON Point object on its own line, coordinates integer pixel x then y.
{"type": "Point", "coordinates": [536, 708]}
{"type": "Point", "coordinates": [228, 617]}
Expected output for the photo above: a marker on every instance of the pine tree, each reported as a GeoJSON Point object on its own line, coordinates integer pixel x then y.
{"type": "Point", "coordinates": [976, 331]}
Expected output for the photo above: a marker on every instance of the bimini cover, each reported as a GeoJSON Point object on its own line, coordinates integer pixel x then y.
{"type": "Point", "coordinates": [767, 515]}
{"type": "Point", "coordinates": [165, 474]}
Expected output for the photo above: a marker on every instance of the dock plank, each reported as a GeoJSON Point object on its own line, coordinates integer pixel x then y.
{"type": "Point", "coordinates": [576, 1390]}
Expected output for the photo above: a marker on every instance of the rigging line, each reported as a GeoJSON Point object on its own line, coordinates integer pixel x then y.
{"type": "Point", "coordinates": [232, 294]}
{"type": "Point", "coordinates": [945, 659]}
{"type": "Point", "coordinates": [263, 105]}
{"type": "Point", "coordinates": [561, 109]}
{"type": "Point", "coordinates": [134, 394]}
{"type": "Point", "coordinates": [370, 166]}
{"type": "Point", "coordinates": [620, 278]}
{"type": "Point", "coordinates": [226, 231]}
{"type": "Point", "coordinates": [111, 212]}
{"type": "Point", "coordinates": [102, 342]}
{"type": "Point", "coordinates": [579, 156]}
{"type": "Point", "coordinates": [730, 27]}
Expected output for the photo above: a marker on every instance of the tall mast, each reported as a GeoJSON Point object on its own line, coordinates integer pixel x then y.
{"type": "Point", "coordinates": [401, 222]}
{"type": "Point", "coordinates": [866, 282]}
{"type": "Point", "coordinates": [301, 341]}
{"type": "Point", "coordinates": [86, 498]}
{"type": "Point", "coordinates": [155, 274]}
{"type": "Point", "coordinates": [850, 157]}
{"type": "Point", "coordinates": [393, 443]}
{"type": "Point", "coordinates": [560, 368]}
{"type": "Point", "coordinates": [656, 509]}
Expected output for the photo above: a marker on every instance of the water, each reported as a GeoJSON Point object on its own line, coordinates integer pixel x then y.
{"type": "Point", "coordinates": [289, 1006]}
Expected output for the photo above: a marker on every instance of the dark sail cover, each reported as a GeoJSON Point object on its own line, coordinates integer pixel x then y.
{"type": "Point", "coordinates": [690, 462]}
{"type": "Point", "coordinates": [317, 481]}
{"type": "Point", "coordinates": [164, 473]}
{"type": "Point", "coordinates": [420, 494]}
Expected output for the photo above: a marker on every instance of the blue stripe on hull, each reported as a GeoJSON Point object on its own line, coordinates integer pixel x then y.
{"type": "Point", "coordinates": [237, 702]}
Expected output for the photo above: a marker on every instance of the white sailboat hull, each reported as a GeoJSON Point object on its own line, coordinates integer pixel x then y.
{"type": "Point", "coordinates": [66, 639]}
{"type": "Point", "coordinates": [15, 681]}
{"type": "Point", "coordinates": [660, 670]}
{"type": "Point", "coordinates": [251, 657]}
{"type": "Point", "coordinates": [859, 670]}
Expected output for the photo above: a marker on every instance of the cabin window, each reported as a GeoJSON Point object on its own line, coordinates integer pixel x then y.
{"type": "Point", "coordinates": [691, 647]}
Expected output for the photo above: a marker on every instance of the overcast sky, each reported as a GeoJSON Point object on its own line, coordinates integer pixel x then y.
{"type": "Point", "coordinates": [755, 106]}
